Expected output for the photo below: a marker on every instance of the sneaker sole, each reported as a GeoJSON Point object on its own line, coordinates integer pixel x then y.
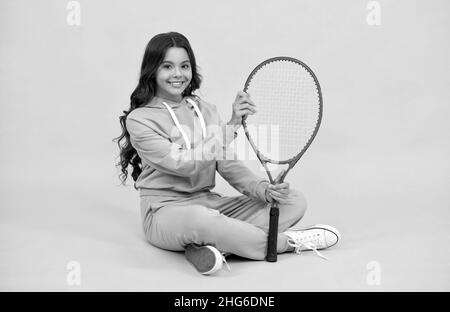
{"type": "Point", "coordinates": [218, 264]}
{"type": "Point", "coordinates": [202, 258]}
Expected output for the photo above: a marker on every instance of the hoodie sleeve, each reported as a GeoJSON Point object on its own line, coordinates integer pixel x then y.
{"type": "Point", "coordinates": [235, 172]}
{"type": "Point", "coordinates": [243, 179]}
{"type": "Point", "coordinates": [169, 157]}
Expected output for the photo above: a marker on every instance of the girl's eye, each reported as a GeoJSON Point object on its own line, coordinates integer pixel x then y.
{"type": "Point", "coordinates": [167, 66]}
{"type": "Point", "coordinates": [186, 66]}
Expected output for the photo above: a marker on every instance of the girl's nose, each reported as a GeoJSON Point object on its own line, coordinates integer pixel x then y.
{"type": "Point", "coordinates": [177, 72]}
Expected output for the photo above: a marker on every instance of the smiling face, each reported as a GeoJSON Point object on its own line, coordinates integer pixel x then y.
{"type": "Point", "coordinates": [173, 75]}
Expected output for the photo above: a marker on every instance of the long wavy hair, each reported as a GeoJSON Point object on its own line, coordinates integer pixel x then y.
{"type": "Point", "coordinates": [145, 91]}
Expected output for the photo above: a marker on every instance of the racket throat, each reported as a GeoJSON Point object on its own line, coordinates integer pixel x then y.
{"type": "Point", "coordinates": [278, 178]}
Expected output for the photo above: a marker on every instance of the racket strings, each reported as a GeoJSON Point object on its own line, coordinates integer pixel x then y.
{"type": "Point", "coordinates": [288, 108]}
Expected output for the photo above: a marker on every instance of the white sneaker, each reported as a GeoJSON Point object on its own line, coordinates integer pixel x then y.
{"type": "Point", "coordinates": [316, 237]}
{"type": "Point", "coordinates": [206, 259]}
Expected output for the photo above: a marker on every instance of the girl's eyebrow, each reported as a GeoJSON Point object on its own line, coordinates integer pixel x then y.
{"type": "Point", "coordinates": [185, 61]}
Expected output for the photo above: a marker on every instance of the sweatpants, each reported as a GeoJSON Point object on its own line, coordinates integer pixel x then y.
{"type": "Point", "coordinates": [233, 224]}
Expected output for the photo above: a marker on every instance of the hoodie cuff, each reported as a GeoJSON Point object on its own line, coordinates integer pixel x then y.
{"type": "Point", "coordinates": [261, 190]}
{"type": "Point", "coordinates": [230, 133]}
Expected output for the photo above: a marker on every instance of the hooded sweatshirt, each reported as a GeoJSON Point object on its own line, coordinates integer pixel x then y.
{"type": "Point", "coordinates": [182, 159]}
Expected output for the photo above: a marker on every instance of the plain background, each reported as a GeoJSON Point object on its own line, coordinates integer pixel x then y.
{"type": "Point", "coordinates": [378, 169]}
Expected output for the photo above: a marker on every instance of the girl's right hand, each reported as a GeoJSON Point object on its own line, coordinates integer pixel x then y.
{"type": "Point", "coordinates": [278, 191]}
{"type": "Point", "coordinates": [242, 106]}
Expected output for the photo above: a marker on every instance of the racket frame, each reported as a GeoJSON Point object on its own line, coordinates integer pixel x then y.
{"type": "Point", "coordinates": [271, 255]}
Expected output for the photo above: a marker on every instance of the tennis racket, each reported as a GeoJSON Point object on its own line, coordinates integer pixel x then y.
{"type": "Point", "coordinates": [288, 100]}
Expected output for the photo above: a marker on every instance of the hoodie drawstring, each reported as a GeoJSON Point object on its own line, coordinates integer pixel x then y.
{"type": "Point", "coordinates": [200, 116]}
{"type": "Point", "coordinates": [177, 123]}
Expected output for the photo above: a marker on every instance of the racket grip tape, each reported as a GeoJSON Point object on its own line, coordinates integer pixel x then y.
{"type": "Point", "coordinates": [273, 235]}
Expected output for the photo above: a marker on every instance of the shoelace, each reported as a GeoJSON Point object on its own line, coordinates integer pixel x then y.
{"type": "Point", "coordinates": [226, 263]}
{"type": "Point", "coordinates": [299, 245]}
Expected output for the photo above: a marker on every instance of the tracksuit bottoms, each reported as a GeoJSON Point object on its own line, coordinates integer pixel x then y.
{"type": "Point", "coordinates": [233, 224]}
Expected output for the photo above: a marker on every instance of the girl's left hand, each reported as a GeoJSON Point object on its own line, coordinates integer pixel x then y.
{"type": "Point", "coordinates": [278, 191]}
{"type": "Point", "coordinates": [242, 106]}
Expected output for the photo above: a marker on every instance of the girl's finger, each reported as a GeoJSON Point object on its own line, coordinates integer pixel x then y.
{"type": "Point", "coordinates": [245, 112]}
{"type": "Point", "coordinates": [280, 186]}
{"type": "Point", "coordinates": [277, 194]}
{"type": "Point", "coordinates": [280, 200]}
{"type": "Point", "coordinates": [284, 192]}
{"type": "Point", "coordinates": [244, 109]}
{"type": "Point", "coordinates": [244, 100]}
{"type": "Point", "coordinates": [246, 105]}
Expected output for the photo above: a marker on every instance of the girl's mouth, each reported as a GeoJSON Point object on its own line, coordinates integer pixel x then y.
{"type": "Point", "coordinates": [176, 84]}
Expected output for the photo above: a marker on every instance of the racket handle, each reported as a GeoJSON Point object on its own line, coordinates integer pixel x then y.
{"type": "Point", "coordinates": [273, 234]}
